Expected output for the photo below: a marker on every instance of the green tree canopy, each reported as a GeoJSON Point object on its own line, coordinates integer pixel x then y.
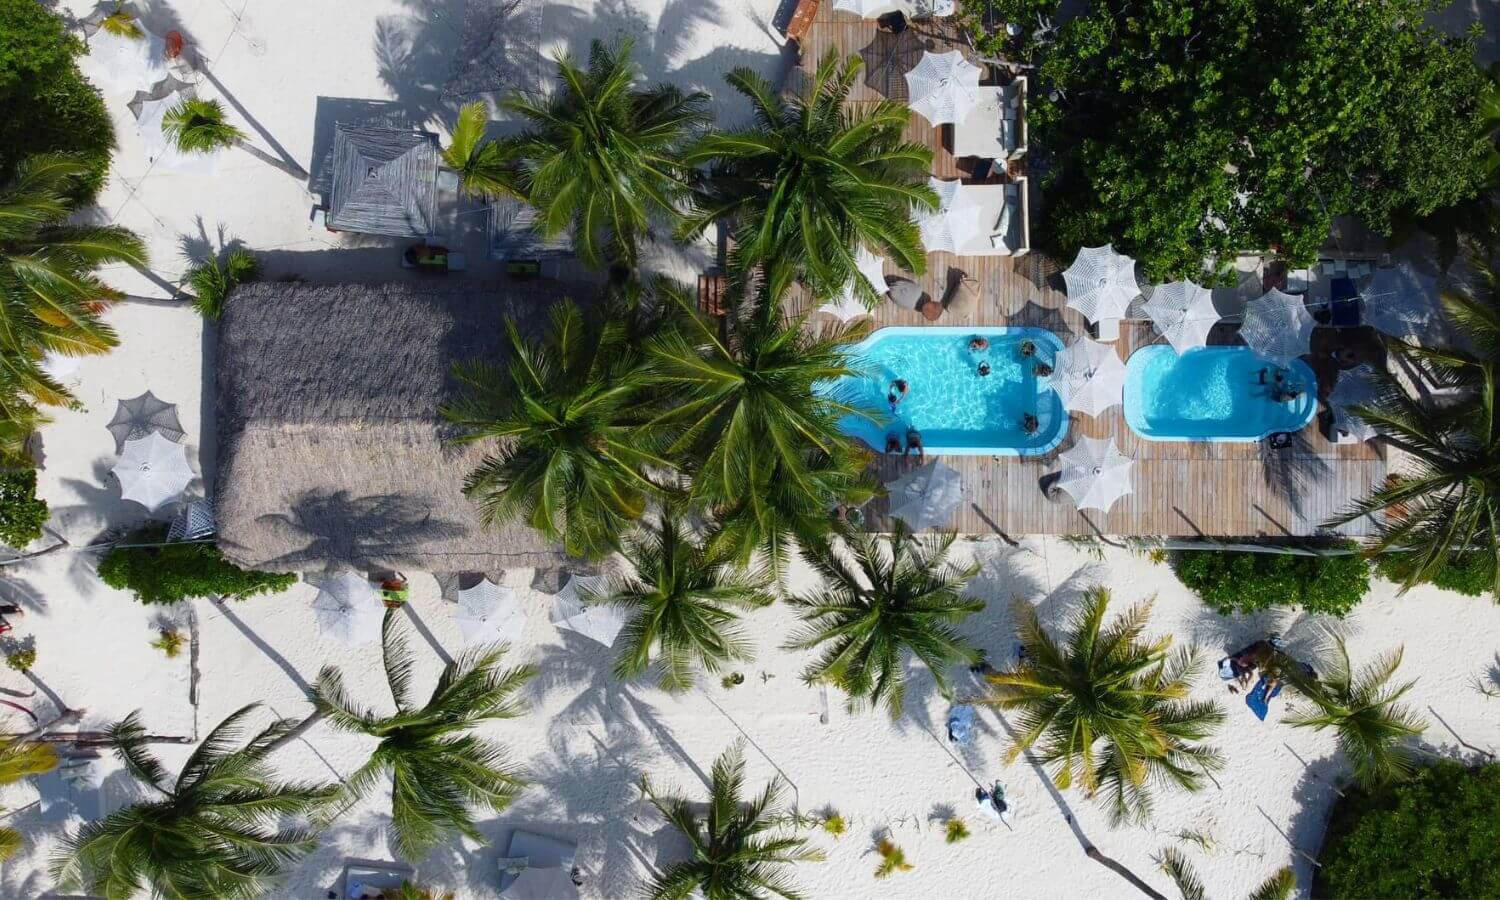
{"type": "Point", "coordinates": [1185, 131]}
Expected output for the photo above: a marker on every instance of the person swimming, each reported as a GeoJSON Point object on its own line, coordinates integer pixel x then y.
{"type": "Point", "coordinates": [914, 442]}
{"type": "Point", "coordinates": [984, 368]}
{"type": "Point", "coordinates": [1028, 349]}
{"type": "Point", "coordinates": [897, 392]}
{"type": "Point", "coordinates": [1030, 424]}
{"type": "Point", "coordinates": [978, 343]}
{"type": "Point", "coordinates": [892, 444]}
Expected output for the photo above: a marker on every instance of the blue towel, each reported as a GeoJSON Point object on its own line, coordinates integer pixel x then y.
{"type": "Point", "coordinates": [961, 724]}
{"type": "Point", "coordinates": [1258, 701]}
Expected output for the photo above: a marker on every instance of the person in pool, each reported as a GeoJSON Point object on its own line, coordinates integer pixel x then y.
{"type": "Point", "coordinates": [897, 392]}
{"type": "Point", "coordinates": [978, 343]}
{"type": "Point", "coordinates": [1030, 423]}
{"type": "Point", "coordinates": [893, 444]}
{"type": "Point", "coordinates": [984, 368]}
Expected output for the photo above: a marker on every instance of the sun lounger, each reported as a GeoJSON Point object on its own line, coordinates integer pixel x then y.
{"type": "Point", "coordinates": [963, 293]}
{"type": "Point", "coordinates": [370, 880]}
{"type": "Point", "coordinates": [538, 867]}
{"type": "Point", "coordinates": [906, 293]}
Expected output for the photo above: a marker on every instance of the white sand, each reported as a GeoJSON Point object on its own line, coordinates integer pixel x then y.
{"type": "Point", "coordinates": [588, 741]}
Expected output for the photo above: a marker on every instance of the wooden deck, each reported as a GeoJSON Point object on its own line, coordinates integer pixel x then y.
{"type": "Point", "coordinates": [1181, 488]}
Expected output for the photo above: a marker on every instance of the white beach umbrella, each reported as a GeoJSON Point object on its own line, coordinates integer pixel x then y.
{"type": "Point", "coordinates": [1101, 283]}
{"type": "Point", "coordinates": [867, 9]}
{"type": "Point", "coordinates": [120, 66]}
{"type": "Point", "coordinates": [1183, 313]}
{"type": "Point", "coordinates": [1277, 327]}
{"type": "Point", "coordinates": [348, 608]}
{"type": "Point", "coordinates": [150, 108]}
{"type": "Point", "coordinates": [153, 471]}
{"type": "Point", "coordinates": [1088, 376]}
{"type": "Point", "coordinates": [596, 621]}
{"type": "Point", "coordinates": [542, 883]}
{"type": "Point", "coordinates": [927, 495]}
{"type": "Point", "coordinates": [956, 221]}
{"type": "Point", "coordinates": [1356, 387]}
{"type": "Point", "coordinates": [1400, 301]}
{"type": "Point", "coordinates": [943, 87]}
{"type": "Point", "coordinates": [1095, 473]}
{"type": "Point", "coordinates": [868, 266]}
{"type": "Point", "coordinates": [489, 614]}
{"type": "Point", "coordinates": [136, 417]}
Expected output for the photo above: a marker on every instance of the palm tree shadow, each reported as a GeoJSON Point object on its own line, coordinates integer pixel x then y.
{"type": "Point", "coordinates": [362, 533]}
{"type": "Point", "coordinates": [18, 590]}
{"type": "Point", "coordinates": [1290, 470]}
{"type": "Point", "coordinates": [200, 248]}
{"type": "Point", "coordinates": [1313, 799]}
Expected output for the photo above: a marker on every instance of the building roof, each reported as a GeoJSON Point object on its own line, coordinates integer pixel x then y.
{"type": "Point", "coordinates": [331, 449]}
{"type": "Point", "coordinates": [384, 180]}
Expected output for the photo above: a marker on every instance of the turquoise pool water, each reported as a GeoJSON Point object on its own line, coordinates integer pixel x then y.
{"type": "Point", "coordinates": [957, 412]}
{"type": "Point", "coordinates": [1213, 394]}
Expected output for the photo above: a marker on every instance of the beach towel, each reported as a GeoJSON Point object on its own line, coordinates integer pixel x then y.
{"type": "Point", "coordinates": [1226, 669]}
{"type": "Point", "coordinates": [961, 724]}
{"type": "Point", "coordinates": [1258, 701]}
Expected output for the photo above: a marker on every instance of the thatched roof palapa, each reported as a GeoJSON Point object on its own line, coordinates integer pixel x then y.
{"type": "Point", "coordinates": [331, 449]}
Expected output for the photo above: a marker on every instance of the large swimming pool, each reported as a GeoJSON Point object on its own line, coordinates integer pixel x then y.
{"type": "Point", "coordinates": [957, 411]}
{"type": "Point", "coordinates": [1215, 394]}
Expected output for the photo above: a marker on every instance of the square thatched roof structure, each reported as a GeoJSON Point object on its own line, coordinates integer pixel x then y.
{"type": "Point", "coordinates": [384, 180]}
{"type": "Point", "coordinates": [331, 449]}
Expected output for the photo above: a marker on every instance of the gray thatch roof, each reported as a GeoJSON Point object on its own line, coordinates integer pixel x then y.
{"type": "Point", "coordinates": [384, 180]}
{"type": "Point", "coordinates": [514, 235]}
{"type": "Point", "coordinates": [331, 448]}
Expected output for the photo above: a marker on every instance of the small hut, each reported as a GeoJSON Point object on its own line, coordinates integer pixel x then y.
{"type": "Point", "coordinates": [384, 181]}
{"type": "Point", "coordinates": [332, 452]}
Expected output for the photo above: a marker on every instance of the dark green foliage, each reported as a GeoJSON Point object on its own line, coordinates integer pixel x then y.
{"type": "Point", "coordinates": [985, 21]}
{"type": "Point", "coordinates": [46, 106]}
{"type": "Point", "coordinates": [1466, 573]}
{"type": "Point", "coordinates": [1436, 835]}
{"type": "Point", "coordinates": [213, 281]}
{"type": "Point", "coordinates": [22, 515]}
{"type": "Point", "coordinates": [1232, 582]}
{"type": "Point", "coordinates": [176, 572]}
{"type": "Point", "coordinates": [1186, 131]}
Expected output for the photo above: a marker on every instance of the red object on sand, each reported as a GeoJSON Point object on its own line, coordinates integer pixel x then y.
{"type": "Point", "coordinates": [174, 44]}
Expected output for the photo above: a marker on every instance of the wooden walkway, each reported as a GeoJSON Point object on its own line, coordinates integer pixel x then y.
{"type": "Point", "coordinates": [1181, 488]}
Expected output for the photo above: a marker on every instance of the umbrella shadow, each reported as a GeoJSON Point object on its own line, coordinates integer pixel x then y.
{"type": "Point", "coordinates": [362, 533]}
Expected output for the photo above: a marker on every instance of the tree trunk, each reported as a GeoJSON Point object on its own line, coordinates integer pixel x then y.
{"type": "Point", "coordinates": [1098, 857]}
{"type": "Point", "coordinates": [61, 543]}
{"type": "Point", "coordinates": [66, 717]}
{"type": "Point", "coordinates": [313, 718]}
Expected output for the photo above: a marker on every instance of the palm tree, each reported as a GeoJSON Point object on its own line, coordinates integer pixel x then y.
{"type": "Point", "coordinates": [881, 606]}
{"type": "Point", "coordinates": [1108, 708]}
{"type": "Point", "coordinates": [21, 759]}
{"type": "Point", "coordinates": [756, 419]}
{"type": "Point", "coordinates": [575, 437]}
{"type": "Point", "coordinates": [213, 833]}
{"type": "Point", "coordinates": [684, 603]}
{"type": "Point", "coordinates": [212, 282]}
{"type": "Point", "coordinates": [439, 770]}
{"type": "Point", "coordinates": [601, 157]}
{"type": "Point", "coordinates": [483, 166]}
{"type": "Point", "coordinates": [52, 300]}
{"type": "Point", "coordinates": [737, 852]}
{"type": "Point", "coordinates": [1447, 498]}
{"type": "Point", "coordinates": [199, 125]}
{"type": "Point", "coordinates": [121, 22]}
{"type": "Point", "coordinates": [810, 181]}
{"type": "Point", "coordinates": [1362, 709]}
{"type": "Point", "coordinates": [1280, 886]}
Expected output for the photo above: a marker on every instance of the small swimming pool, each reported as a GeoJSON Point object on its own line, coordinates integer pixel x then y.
{"type": "Point", "coordinates": [956, 411]}
{"type": "Point", "coordinates": [1214, 394]}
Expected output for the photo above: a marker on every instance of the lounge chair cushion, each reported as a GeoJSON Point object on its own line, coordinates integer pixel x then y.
{"type": "Point", "coordinates": [963, 294]}
{"type": "Point", "coordinates": [905, 292]}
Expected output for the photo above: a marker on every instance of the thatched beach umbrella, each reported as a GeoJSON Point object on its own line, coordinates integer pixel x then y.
{"type": "Point", "coordinates": [955, 222]}
{"type": "Point", "coordinates": [1095, 473]}
{"type": "Point", "coordinates": [943, 87]}
{"type": "Point", "coordinates": [489, 614]}
{"type": "Point", "coordinates": [1101, 283]}
{"type": "Point", "coordinates": [596, 621]}
{"type": "Point", "coordinates": [1088, 376]}
{"type": "Point", "coordinates": [140, 416]}
{"type": "Point", "coordinates": [1356, 387]}
{"type": "Point", "coordinates": [1277, 327]}
{"type": "Point", "coordinates": [926, 496]}
{"type": "Point", "coordinates": [1400, 301]}
{"type": "Point", "coordinates": [153, 471]}
{"type": "Point", "coordinates": [1183, 313]}
{"type": "Point", "coordinates": [850, 303]}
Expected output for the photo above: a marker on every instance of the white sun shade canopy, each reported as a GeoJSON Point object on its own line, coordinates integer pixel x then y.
{"type": "Point", "coordinates": [120, 66]}
{"type": "Point", "coordinates": [1400, 301]}
{"type": "Point", "coordinates": [850, 305]}
{"type": "Point", "coordinates": [943, 87]}
{"type": "Point", "coordinates": [1356, 387]}
{"type": "Point", "coordinates": [153, 471]}
{"type": "Point", "coordinates": [955, 223]}
{"type": "Point", "coordinates": [1277, 327]}
{"type": "Point", "coordinates": [1088, 376]}
{"type": "Point", "coordinates": [489, 614]}
{"type": "Point", "coordinates": [348, 609]}
{"type": "Point", "coordinates": [1101, 283]}
{"type": "Point", "coordinates": [571, 610]}
{"type": "Point", "coordinates": [926, 496]}
{"type": "Point", "coordinates": [1095, 473]}
{"type": "Point", "coordinates": [1183, 313]}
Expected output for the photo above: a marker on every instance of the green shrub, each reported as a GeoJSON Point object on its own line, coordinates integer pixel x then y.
{"type": "Point", "coordinates": [1436, 835]}
{"type": "Point", "coordinates": [22, 515]}
{"type": "Point", "coordinates": [176, 572]}
{"type": "Point", "coordinates": [1466, 573]}
{"type": "Point", "coordinates": [46, 106]}
{"type": "Point", "coordinates": [1233, 582]}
